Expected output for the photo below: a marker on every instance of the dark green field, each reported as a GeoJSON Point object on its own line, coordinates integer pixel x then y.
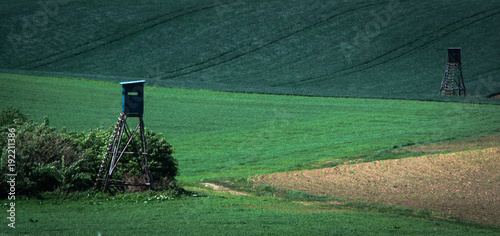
{"type": "Point", "coordinates": [224, 80]}
{"type": "Point", "coordinates": [377, 48]}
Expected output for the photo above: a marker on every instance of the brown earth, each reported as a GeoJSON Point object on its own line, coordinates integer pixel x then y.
{"type": "Point", "coordinates": [464, 185]}
{"type": "Point", "coordinates": [224, 189]}
{"type": "Point", "coordinates": [495, 96]}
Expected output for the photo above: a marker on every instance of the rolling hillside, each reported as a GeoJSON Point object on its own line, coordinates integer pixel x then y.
{"type": "Point", "coordinates": [377, 48]}
{"type": "Point", "coordinates": [285, 153]}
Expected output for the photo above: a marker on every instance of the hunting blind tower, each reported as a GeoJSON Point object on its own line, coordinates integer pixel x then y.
{"type": "Point", "coordinates": [122, 140]}
{"type": "Point", "coordinates": [453, 82]}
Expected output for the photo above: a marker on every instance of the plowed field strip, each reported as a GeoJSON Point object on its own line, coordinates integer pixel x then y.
{"type": "Point", "coordinates": [427, 167]}
{"type": "Point", "coordinates": [464, 184]}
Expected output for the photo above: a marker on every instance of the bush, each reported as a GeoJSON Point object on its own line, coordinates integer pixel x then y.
{"type": "Point", "coordinates": [50, 160]}
{"type": "Point", "coordinates": [12, 115]}
{"type": "Point", "coordinates": [162, 165]}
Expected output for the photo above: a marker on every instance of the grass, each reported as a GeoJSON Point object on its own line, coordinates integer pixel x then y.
{"type": "Point", "coordinates": [223, 136]}
{"type": "Point", "coordinates": [219, 134]}
{"type": "Point", "coordinates": [216, 214]}
{"type": "Point", "coordinates": [355, 49]}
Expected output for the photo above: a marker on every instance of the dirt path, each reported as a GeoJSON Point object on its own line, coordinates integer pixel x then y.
{"type": "Point", "coordinates": [222, 188]}
{"type": "Point", "coordinates": [464, 185]}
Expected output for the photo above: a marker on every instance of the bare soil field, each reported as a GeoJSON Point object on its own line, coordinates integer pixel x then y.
{"type": "Point", "coordinates": [464, 185]}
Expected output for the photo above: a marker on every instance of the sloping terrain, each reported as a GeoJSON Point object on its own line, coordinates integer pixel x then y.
{"type": "Point", "coordinates": [377, 48]}
{"type": "Point", "coordinates": [463, 145]}
{"type": "Point", "coordinates": [464, 185]}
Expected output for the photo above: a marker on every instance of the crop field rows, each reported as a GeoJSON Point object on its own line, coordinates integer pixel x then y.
{"type": "Point", "coordinates": [464, 185]}
{"type": "Point", "coordinates": [403, 50]}
{"type": "Point", "coordinates": [108, 39]}
{"type": "Point", "coordinates": [291, 47]}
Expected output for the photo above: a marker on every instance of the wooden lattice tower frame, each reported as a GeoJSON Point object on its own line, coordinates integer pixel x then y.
{"type": "Point", "coordinates": [132, 107]}
{"type": "Point", "coordinates": [453, 81]}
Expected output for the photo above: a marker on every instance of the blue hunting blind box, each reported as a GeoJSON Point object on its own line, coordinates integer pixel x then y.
{"type": "Point", "coordinates": [133, 97]}
{"type": "Point", "coordinates": [454, 55]}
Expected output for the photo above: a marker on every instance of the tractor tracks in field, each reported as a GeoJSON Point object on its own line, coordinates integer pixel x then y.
{"type": "Point", "coordinates": [300, 27]}
{"type": "Point", "coordinates": [254, 46]}
{"type": "Point", "coordinates": [399, 52]}
{"type": "Point", "coordinates": [112, 37]}
{"type": "Point", "coordinates": [259, 44]}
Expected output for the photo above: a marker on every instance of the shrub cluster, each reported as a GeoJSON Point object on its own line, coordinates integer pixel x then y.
{"type": "Point", "coordinates": [51, 160]}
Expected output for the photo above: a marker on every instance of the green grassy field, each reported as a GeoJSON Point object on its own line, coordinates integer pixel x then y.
{"type": "Point", "coordinates": [219, 214]}
{"type": "Point", "coordinates": [225, 214]}
{"type": "Point", "coordinates": [223, 79]}
{"type": "Point", "coordinates": [377, 48]}
{"type": "Point", "coordinates": [220, 136]}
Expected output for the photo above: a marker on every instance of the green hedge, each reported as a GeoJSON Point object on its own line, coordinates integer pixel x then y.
{"type": "Point", "coordinates": [51, 160]}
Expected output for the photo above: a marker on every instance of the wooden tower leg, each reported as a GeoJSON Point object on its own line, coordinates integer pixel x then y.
{"type": "Point", "coordinates": [144, 155]}
{"type": "Point", "coordinates": [461, 81]}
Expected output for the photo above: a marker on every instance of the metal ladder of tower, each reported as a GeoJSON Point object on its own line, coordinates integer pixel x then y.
{"type": "Point", "coordinates": [112, 141]}
{"type": "Point", "coordinates": [448, 84]}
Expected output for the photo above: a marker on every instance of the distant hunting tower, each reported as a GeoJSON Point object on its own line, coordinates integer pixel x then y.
{"type": "Point", "coordinates": [132, 107]}
{"type": "Point", "coordinates": [453, 82]}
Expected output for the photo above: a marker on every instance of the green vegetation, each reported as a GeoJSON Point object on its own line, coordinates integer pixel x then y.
{"type": "Point", "coordinates": [46, 160]}
{"type": "Point", "coordinates": [219, 214]}
{"type": "Point", "coordinates": [219, 134]}
{"type": "Point", "coordinates": [226, 136]}
{"type": "Point", "coordinates": [380, 48]}
{"type": "Point", "coordinates": [223, 136]}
